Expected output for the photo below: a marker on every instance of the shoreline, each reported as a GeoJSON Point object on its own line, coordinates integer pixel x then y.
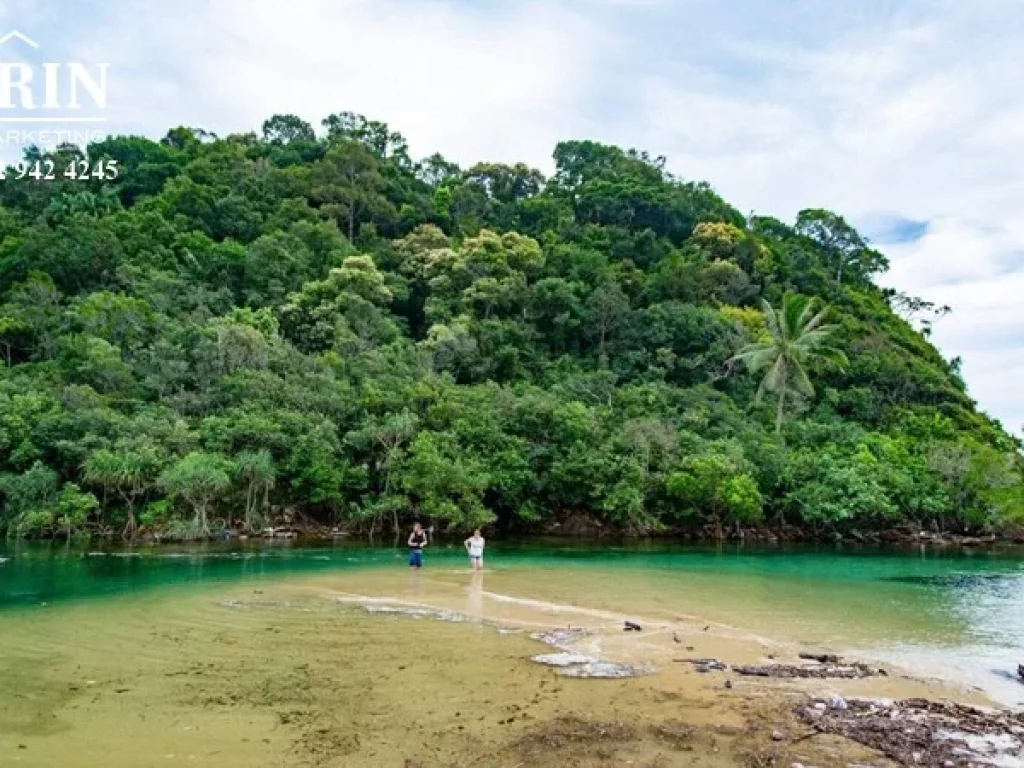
{"type": "Point", "coordinates": [897, 540]}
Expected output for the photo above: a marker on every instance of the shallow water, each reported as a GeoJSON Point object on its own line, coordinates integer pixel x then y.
{"type": "Point", "coordinates": [153, 614]}
{"type": "Point", "coordinates": [958, 614]}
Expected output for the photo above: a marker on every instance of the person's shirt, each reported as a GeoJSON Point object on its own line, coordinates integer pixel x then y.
{"type": "Point", "coordinates": [476, 546]}
{"type": "Point", "coordinates": [417, 539]}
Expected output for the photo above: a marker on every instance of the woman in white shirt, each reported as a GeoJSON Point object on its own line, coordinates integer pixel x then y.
{"type": "Point", "coordinates": [475, 548]}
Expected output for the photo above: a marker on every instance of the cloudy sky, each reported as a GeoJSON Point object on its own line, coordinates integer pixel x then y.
{"type": "Point", "coordinates": [906, 116]}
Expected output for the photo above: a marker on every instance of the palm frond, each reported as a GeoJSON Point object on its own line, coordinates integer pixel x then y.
{"type": "Point", "coordinates": [816, 321]}
{"type": "Point", "coordinates": [832, 355]}
{"type": "Point", "coordinates": [794, 307]}
{"type": "Point", "coordinates": [771, 319]}
{"type": "Point", "coordinates": [756, 356]}
{"type": "Point", "coordinates": [801, 382]}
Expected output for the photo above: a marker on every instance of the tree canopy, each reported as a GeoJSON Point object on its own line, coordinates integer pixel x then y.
{"type": "Point", "coordinates": [315, 320]}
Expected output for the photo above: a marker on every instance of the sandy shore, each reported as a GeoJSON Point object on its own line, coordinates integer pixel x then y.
{"type": "Point", "coordinates": [388, 668]}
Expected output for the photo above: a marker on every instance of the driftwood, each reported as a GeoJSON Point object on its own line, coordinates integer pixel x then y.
{"type": "Point", "coordinates": [922, 732]}
{"type": "Point", "coordinates": [822, 658]}
{"type": "Point", "coordinates": [703, 665]}
{"type": "Point", "coordinates": [848, 671]}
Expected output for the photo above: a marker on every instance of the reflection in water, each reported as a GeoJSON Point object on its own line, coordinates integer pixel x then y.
{"type": "Point", "coordinates": [475, 603]}
{"type": "Point", "coordinates": [415, 581]}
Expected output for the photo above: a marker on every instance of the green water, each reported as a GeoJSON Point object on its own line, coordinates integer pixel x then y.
{"type": "Point", "coordinates": [956, 615]}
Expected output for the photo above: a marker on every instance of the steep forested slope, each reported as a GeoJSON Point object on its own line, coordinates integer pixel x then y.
{"type": "Point", "coordinates": [322, 322]}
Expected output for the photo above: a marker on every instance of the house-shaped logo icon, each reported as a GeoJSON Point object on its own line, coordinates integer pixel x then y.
{"type": "Point", "coordinates": [16, 35]}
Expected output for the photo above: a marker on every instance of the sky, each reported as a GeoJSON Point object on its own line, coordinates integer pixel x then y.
{"type": "Point", "coordinates": [905, 116]}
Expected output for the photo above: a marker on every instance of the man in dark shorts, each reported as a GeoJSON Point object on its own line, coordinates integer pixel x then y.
{"type": "Point", "coordinates": [417, 541]}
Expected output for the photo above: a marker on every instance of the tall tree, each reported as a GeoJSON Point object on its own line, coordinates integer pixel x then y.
{"type": "Point", "coordinates": [197, 478]}
{"type": "Point", "coordinates": [798, 338]}
{"type": "Point", "coordinates": [257, 470]}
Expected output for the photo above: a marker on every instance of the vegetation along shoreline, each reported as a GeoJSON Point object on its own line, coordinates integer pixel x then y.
{"type": "Point", "coordinates": [318, 321]}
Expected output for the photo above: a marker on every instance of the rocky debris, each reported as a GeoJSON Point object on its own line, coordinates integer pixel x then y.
{"type": "Point", "coordinates": [419, 613]}
{"type": "Point", "coordinates": [837, 702]}
{"type": "Point", "coordinates": [1020, 672]}
{"type": "Point", "coordinates": [560, 638]}
{"type": "Point", "coordinates": [844, 671]}
{"type": "Point", "coordinates": [676, 733]}
{"type": "Point", "coordinates": [280, 533]}
{"type": "Point", "coordinates": [570, 664]}
{"type": "Point", "coordinates": [631, 626]}
{"type": "Point", "coordinates": [922, 732]}
{"type": "Point", "coordinates": [575, 736]}
{"type": "Point", "coordinates": [704, 665]}
{"type": "Point", "coordinates": [563, 659]}
{"type": "Point", "coordinates": [606, 670]}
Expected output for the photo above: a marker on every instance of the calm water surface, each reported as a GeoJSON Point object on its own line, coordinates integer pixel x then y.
{"type": "Point", "coordinates": [956, 615]}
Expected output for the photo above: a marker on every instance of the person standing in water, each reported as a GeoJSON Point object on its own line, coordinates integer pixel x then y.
{"type": "Point", "coordinates": [475, 547]}
{"type": "Point", "coordinates": [417, 541]}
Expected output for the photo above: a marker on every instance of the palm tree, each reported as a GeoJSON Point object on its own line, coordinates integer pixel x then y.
{"type": "Point", "coordinates": [257, 469]}
{"type": "Point", "coordinates": [125, 473]}
{"type": "Point", "coordinates": [798, 338]}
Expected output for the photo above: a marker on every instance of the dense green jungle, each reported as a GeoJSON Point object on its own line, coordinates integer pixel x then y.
{"type": "Point", "coordinates": [315, 326]}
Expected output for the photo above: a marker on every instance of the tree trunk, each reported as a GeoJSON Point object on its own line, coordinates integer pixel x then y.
{"type": "Point", "coordinates": [249, 504]}
{"type": "Point", "coordinates": [780, 411]}
{"type": "Point", "coordinates": [130, 526]}
{"type": "Point", "coordinates": [202, 524]}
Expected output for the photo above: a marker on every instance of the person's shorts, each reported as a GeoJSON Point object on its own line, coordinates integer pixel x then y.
{"type": "Point", "coordinates": [476, 558]}
{"type": "Point", "coordinates": [415, 558]}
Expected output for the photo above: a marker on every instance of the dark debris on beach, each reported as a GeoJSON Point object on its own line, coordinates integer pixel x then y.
{"type": "Point", "coordinates": [922, 732]}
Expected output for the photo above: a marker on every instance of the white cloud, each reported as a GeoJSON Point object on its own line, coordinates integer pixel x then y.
{"type": "Point", "coordinates": [451, 78]}
{"type": "Point", "coordinates": [908, 108]}
{"type": "Point", "coordinates": [918, 119]}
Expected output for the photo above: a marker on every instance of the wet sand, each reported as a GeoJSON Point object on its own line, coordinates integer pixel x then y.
{"type": "Point", "coordinates": [300, 672]}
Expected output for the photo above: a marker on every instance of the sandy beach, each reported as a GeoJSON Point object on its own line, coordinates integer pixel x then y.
{"type": "Point", "coordinates": [385, 667]}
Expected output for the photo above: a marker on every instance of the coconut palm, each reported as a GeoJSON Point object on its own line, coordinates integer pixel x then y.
{"type": "Point", "coordinates": [798, 338]}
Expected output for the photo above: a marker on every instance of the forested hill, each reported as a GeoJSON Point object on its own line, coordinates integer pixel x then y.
{"type": "Point", "coordinates": [318, 321]}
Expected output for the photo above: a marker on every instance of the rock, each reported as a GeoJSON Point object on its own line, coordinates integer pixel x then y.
{"type": "Point", "coordinates": [847, 671]}
{"type": "Point", "coordinates": [632, 626]}
{"type": "Point", "coordinates": [812, 713]}
{"type": "Point", "coordinates": [1020, 672]}
{"type": "Point", "coordinates": [778, 736]}
{"type": "Point", "coordinates": [675, 637]}
{"type": "Point", "coordinates": [838, 702]}
{"type": "Point", "coordinates": [820, 706]}
{"type": "Point", "coordinates": [728, 684]}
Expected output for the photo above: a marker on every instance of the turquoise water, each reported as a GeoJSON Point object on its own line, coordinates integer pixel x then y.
{"type": "Point", "coordinates": [958, 615]}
